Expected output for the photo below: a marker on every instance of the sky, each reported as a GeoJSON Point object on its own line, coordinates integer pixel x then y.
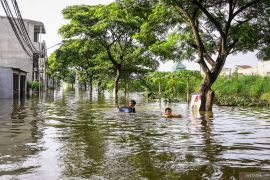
{"type": "Point", "coordinates": [49, 12]}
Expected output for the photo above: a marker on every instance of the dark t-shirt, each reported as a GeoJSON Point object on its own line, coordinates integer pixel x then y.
{"type": "Point", "coordinates": [127, 109]}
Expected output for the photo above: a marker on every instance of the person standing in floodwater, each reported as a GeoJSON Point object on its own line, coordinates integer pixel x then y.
{"type": "Point", "coordinates": [168, 114]}
{"type": "Point", "coordinates": [130, 108]}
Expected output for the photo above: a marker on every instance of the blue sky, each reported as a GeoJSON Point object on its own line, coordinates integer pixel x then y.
{"type": "Point", "coordinates": [49, 12]}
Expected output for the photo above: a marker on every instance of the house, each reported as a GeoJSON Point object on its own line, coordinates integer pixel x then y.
{"type": "Point", "coordinates": [264, 68]}
{"type": "Point", "coordinates": [13, 56]}
{"type": "Point", "coordinates": [245, 70]}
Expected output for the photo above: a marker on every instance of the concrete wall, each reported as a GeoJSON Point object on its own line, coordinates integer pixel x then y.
{"type": "Point", "coordinates": [11, 52]}
{"type": "Point", "coordinates": [6, 83]}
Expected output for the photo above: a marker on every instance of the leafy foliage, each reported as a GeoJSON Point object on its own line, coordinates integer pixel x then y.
{"type": "Point", "coordinates": [243, 90]}
{"type": "Point", "coordinates": [174, 84]}
{"type": "Point", "coordinates": [103, 37]}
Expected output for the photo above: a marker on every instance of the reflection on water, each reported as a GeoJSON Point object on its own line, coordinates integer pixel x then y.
{"type": "Point", "coordinates": [19, 135]}
{"type": "Point", "coordinates": [61, 136]}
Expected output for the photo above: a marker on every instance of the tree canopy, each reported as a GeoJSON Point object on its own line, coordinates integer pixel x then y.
{"type": "Point", "coordinates": [109, 32]}
{"type": "Point", "coordinates": [206, 31]}
{"type": "Point", "coordinates": [128, 36]}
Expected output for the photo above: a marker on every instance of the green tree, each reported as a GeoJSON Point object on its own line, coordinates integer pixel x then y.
{"type": "Point", "coordinates": [212, 30]}
{"type": "Point", "coordinates": [52, 68]}
{"type": "Point", "coordinates": [85, 56]}
{"type": "Point", "coordinates": [57, 68]}
{"type": "Point", "coordinates": [158, 78]}
{"type": "Point", "coordinates": [112, 27]}
{"type": "Point", "coordinates": [174, 84]}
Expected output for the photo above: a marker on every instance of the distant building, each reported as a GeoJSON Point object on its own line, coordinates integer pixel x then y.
{"type": "Point", "coordinates": [245, 70]}
{"type": "Point", "coordinates": [226, 72]}
{"type": "Point", "coordinates": [13, 56]}
{"type": "Point", "coordinates": [178, 67]}
{"type": "Point", "coordinates": [264, 68]}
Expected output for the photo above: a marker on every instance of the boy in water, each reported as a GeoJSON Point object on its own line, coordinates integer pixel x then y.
{"type": "Point", "coordinates": [168, 114]}
{"type": "Point", "coordinates": [130, 108]}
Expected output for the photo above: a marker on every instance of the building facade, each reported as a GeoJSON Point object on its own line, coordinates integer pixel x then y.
{"type": "Point", "coordinates": [264, 68]}
{"type": "Point", "coordinates": [13, 56]}
{"type": "Point", "coordinates": [246, 70]}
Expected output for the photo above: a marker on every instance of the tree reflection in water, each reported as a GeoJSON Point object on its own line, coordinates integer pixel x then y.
{"type": "Point", "coordinates": [66, 136]}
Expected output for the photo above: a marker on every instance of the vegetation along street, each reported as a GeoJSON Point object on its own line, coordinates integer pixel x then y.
{"type": "Point", "coordinates": [135, 89]}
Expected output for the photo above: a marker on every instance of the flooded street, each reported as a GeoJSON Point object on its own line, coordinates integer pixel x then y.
{"type": "Point", "coordinates": [63, 136]}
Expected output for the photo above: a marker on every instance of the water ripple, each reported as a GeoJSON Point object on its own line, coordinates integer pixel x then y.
{"type": "Point", "coordinates": [72, 136]}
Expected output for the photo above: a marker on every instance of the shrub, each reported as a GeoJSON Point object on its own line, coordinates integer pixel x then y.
{"type": "Point", "coordinates": [35, 85]}
{"type": "Point", "coordinates": [242, 90]}
{"type": "Point", "coordinates": [265, 97]}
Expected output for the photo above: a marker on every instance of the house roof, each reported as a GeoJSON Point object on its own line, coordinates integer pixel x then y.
{"type": "Point", "coordinates": [243, 66]}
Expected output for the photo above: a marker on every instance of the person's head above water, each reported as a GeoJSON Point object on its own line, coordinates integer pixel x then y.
{"type": "Point", "coordinates": [168, 111]}
{"type": "Point", "coordinates": [131, 103]}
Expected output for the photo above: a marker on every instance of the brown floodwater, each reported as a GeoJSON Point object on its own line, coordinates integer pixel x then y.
{"type": "Point", "coordinates": [69, 136]}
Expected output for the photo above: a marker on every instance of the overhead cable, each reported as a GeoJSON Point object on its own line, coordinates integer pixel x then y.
{"type": "Point", "coordinates": [20, 19]}
{"type": "Point", "coordinates": [11, 21]}
{"type": "Point", "coordinates": [19, 28]}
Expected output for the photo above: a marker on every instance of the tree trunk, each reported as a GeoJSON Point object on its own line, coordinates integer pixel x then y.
{"type": "Point", "coordinates": [99, 88]}
{"type": "Point", "coordinates": [116, 82]}
{"type": "Point", "coordinates": [85, 86]}
{"type": "Point", "coordinates": [159, 89]}
{"type": "Point", "coordinates": [207, 94]}
{"type": "Point", "coordinates": [125, 88]}
{"type": "Point", "coordinates": [188, 89]}
{"type": "Point", "coordinates": [53, 83]}
{"type": "Point", "coordinates": [91, 87]}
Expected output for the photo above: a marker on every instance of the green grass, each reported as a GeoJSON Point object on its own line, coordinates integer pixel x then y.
{"type": "Point", "coordinates": [243, 91]}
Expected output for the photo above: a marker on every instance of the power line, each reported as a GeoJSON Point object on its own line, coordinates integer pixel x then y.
{"type": "Point", "coordinates": [13, 27]}
{"type": "Point", "coordinates": [54, 45]}
{"type": "Point", "coordinates": [20, 19]}
{"type": "Point", "coordinates": [18, 27]}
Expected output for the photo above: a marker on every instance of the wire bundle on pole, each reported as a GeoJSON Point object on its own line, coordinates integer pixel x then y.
{"type": "Point", "coordinates": [19, 28]}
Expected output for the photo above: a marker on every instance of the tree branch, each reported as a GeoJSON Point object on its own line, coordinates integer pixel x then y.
{"type": "Point", "coordinates": [209, 59]}
{"type": "Point", "coordinates": [111, 58]}
{"type": "Point", "coordinates": [231, 46]}
{"type": "Point", "coordinates": [245, 7]}
{"type": "Point", "coordinates": [210, 17]}
{"type": "Point", "coordinates": [230, 18]}
{"type": "Point", "coordinates": [200, 48]}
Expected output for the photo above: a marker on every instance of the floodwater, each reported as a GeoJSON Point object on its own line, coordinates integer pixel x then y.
{"type": "Point", "coordinates": [68, 136]}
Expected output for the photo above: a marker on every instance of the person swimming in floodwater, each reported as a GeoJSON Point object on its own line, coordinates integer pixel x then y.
{"type": "Point", "coordinates": [130, 108]}
{"type": "Point", "coordinates": [168, 114]}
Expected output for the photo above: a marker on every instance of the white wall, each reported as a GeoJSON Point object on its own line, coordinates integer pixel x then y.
{"type": "Point", "coordinates": [248, 71]}
{"type": "Point", "coordinates": [264, 68]}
